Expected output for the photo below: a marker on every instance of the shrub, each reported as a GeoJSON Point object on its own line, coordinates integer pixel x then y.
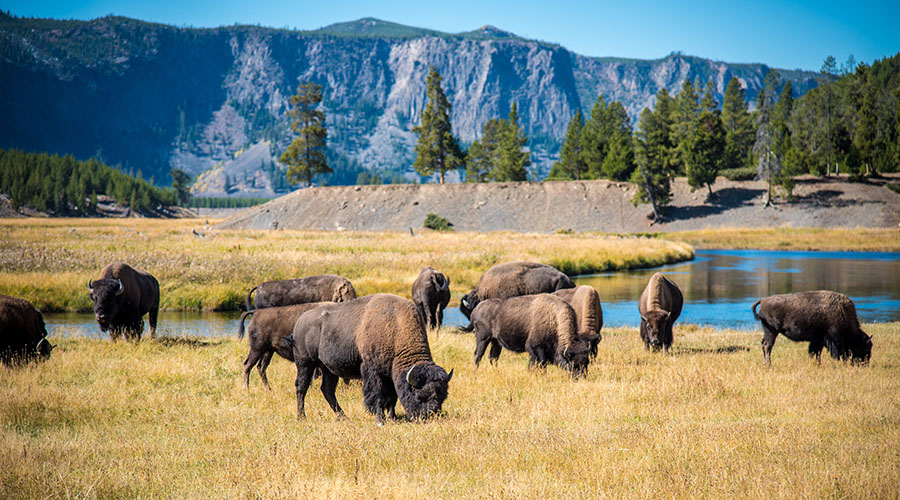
{"type": "Point", "coordinates": [894, 187]}
{"type": "Point", "coordinates": [436, 222]}
{"type": "Point", "coordinates": [739, 174]}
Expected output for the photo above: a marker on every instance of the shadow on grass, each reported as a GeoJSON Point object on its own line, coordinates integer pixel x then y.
{"type": "Point", "coordinates": [181, 341]}
{"type": "Point", "coordinates": [728, 349]}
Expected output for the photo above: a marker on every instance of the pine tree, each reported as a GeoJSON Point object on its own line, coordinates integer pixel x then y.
{"type": "Point", "coordinates": [768, 163]}
{"type": "Point", "coordinates": [181, 183]}
{"type": "Point", "coordinates": [738, 123]}
{"type": "Point", "coordinates": [791, 165]}
{"type": "Point", "coordinates": [305, 157]}
{"type": "Point", "coordinates": [828, 72]}
{"type": "Point", "coordinates": [594, 141]}
{"type": "Point", "coordinates": [437, 150]}
{"type": "Point", "coordinates": [618, 162]}
{"type": "Point", "coordinates": [652, 151]}
{"type": "Point", "coordinates": [571, 158]}
{"type": "Point", "coordinates": [512, 158]}
{"type": "Point", "coordinates": [685, 119]}
{"type": "Point", "coordinates": [705, 145]}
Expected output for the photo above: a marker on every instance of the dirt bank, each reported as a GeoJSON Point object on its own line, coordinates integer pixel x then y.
{"type": "Point", "coordinates": [577, 205]}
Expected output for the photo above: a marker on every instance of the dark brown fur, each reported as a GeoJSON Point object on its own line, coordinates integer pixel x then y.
{"type": "Point", "coordinates": [321, 288]}
{"type": "Point", "coordinates": [120, 310]}
{"type": "Point", "coordinates": [268, 332]}
{"type": "Point", "coordinates": [23, 335]}
{"type": "Point", "coordinates": [823, 318]}
{"type": "Point", "coordinates": [513, 279]}
{"type": "Point", "coordinates": [586, 303]}
{"type": "Point", "coordinates": [660, 305]}
{"type": "Point", "coordinates": [431, 294]}
{"type": "Point", "coordinates": [542, 325]}
{"type": "Point", "coordinates": [380, 338]}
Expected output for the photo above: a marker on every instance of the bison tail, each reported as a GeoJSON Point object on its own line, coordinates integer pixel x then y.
{"type": "Point", "coordinates": [247, 302]}
{"type": "Point", "coordinates": [241, 323]}
{"type": "Point", "coordinates": [753, 308]}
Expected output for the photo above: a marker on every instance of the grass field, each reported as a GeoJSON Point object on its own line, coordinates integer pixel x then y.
{"type": "Point", "coordinates": [787, 238]}
{"type": "Point", "coordinates": [169, 419]}
{"type": "Point", "coordinates": [49, 261]}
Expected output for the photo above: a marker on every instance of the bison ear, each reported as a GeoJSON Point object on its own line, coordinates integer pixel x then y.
{"type": "Point", "coordinates": [413, 379]}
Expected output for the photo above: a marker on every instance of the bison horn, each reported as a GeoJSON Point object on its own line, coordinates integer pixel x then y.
{"type": "Point", "coordinates": [450, 375]}
{"type": "Point", "coordinates": [412, 380]}
{"type": "Point", "coordinates": [566, 352]}
{"type": "Point", "coordinates": [90, 284]}
{"type": "Point", "coordinates": [121, 288]}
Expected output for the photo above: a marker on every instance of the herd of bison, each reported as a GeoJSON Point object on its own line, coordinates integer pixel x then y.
{"type": "Point", "coordinates": [321, 325]}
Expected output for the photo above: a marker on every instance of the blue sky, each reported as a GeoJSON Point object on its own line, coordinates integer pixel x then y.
{"type": "Point", "coordinates": [788, 35]}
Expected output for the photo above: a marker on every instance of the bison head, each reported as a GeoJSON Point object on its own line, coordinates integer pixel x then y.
{"type": "Point", "coordinates": [467, 304]}
{"type": "Point", "coordinates": [576, 356]}
{"type": "Point", "coordinates": [654, 325]}
{"type": "Point", "coordinates": [861, 348]}
{"type": "Point", "coordinates": [423, 389]}
{"type": "Point", "coordinates": [108, 299]}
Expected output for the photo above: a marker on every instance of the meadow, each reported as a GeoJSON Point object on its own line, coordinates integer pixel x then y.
{"type": "Point", "coordinates": [789, 238]}
{"type": "Point", "coordinates": [49, 261]}
{"type": "Point", "coordinates": [168, 418]}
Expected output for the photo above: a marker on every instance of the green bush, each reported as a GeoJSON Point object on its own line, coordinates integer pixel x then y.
{"type": "Point", "coordinates": [894, 187]}
{"type": "Point", "coordinates": [436, 222]}
{"type": "Point", "coordinates": [739, 174]}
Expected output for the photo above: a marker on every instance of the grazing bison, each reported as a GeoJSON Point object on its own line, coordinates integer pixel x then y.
{"type": "Point", "coordinates": [586, 303]}
{"type": "Point", "coordinates": [23, 335]}
{"type": "Point", "coordinates": [268, 332]}
{"type": "Point", "coordinates": [122, 296]}
{"type": "Point", "coordinates": [542, 325]}
{"type": "Point", "coordinates": [431, 293]}
{"type": "Point", "coordinates": [822, 318]}
{"type": "Point", "coordinates": [321, 288]}
{"type": "Point", "coordinates": [379, 338]}
{"type": "Point", "coordinates": [660, 306]}
{"type": "Point", "coordinates": [512, 280]}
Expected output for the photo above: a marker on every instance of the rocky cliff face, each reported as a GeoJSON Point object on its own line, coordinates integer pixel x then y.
{"type": "Point", "coordinates": [154, 97]}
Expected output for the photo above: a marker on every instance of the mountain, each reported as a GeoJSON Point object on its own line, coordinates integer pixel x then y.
{"type": "Point", "coordinates": [151, 96]}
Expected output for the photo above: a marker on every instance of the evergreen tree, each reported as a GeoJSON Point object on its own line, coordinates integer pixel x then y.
{"type": "Point", "coordinates": [652, 151]}
{"type": "Point", "coordinates": [305, 157]}
{"type": "Point", "coordinates": [618, 162]}
{"type": "Point", "coordinates": [571, 158]}
{"type": "Point", "coordinates": [181, 183]}
{"type": "Point", "coordinates": [768, 163]}
{"type": "Point", "coordinates": [791, 165]}
{"type": "Point", "coordinates": [828, 72]}
{"type": "Point", "coordinates": [738, 123]}
{"type": "Point", "coordinates": [685, 119]}
{"type": "Point", "coordinates": [594, 140]}
{"type": "Point", "coordinates": [705, 145]}
{"type": "Point", "coordinates": [478, 163]}
{"type": "Point", "coordinates": [437, 150]}
{"type": "Point", "coordinates": [512, 158]}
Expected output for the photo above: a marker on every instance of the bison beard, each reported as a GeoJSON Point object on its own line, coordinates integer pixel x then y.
{"type": "Point", "coordinates": [823, 318]}
{"type": "Point", "coordinates": [380, 338]}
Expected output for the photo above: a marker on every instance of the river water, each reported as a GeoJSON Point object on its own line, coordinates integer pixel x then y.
{"type": "Point", "coordinates": [719, 287]}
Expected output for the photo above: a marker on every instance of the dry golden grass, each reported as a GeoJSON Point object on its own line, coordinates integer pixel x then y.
{"type": "Point", "coordinates": [788, 238]}
{"type": "Point", "coordinates": [49, 261]}
{"type": "Point", "coordinates": [169, 419]}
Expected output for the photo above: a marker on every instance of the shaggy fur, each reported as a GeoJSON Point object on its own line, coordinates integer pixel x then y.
{"type": "Point", "coordinates": [822, 318]}
{"type": "Point", "coordinates": [586, 303]}
{"type": "Point", "coordinates": [660, 305]}
{"type": "Point", "coordinates": [512, 280]}
{"type": "Point", "coordinates": [379, 338]}
{"type": "Point", "coordinates": [321, 288]}
{"type": "Point", "coordinates": [268, 332]}
{"type": "Point", "coordinates": [431, 294]}
{"type": "Point", "coordinates": [23, 335]}
{"type": "Point", "coordinates": [542, 325]}
{"type": "Point", "coordinates": [120, 309]}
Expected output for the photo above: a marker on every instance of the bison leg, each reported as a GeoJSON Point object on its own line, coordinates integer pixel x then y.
{"type": "Point", "coordinates": [767, 342]}
{"type": "Point", "coordinates": [495, 351]}
{"type": "Point", "coordinates": [815, 350]}
{"type": "Point", "coordinates": [644, 335]}
{"type": "Point", "coordinates": [480, 347]}
{"type": "Point", "coordinates": [151, 318]}
{"type": "Point", "coordinates": [440, 316]}
{"type": "Point", "coordinates": [304, 377]}
{"type": "Point", "coordinates": [252, 357]}
{"type": "Point", "coordinates": [329, 384]}
{"type": "Point", "coordinates": [374, 393]}
{"type": "Point", "coordinates": [261, 367]}
{"type": "Point", "coordinates": [430, 320]}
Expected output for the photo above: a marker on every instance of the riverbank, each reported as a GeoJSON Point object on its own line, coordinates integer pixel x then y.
{"type": "Point", "coordinates": [199, 267]}
{"type": "Point", "coordinates": [169, 418]}
{"type": "Point", "coordinates": [787, 238]}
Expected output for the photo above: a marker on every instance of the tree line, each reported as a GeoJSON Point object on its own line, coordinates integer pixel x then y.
{"type": "Point", "coordinates": [62, 185]}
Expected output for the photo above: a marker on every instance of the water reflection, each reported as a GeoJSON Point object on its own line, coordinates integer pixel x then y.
{"type": "Point", "coordinates": [719, 287]}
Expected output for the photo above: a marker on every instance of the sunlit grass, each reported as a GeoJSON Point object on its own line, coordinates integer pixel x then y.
{"type": "Point", "coordinates": [787, 238]}
{"type": "Point", "coordinates": [170, 419]}
{"type": "Point", "coordinates": [49, 261]}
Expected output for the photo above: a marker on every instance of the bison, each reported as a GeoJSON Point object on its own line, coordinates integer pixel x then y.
{"type": "Point", "coordinates": [542, 325]}
{"type": "Point", "coordinates": [380, 338]}
{"type": "Point", "coordinates": [512, 280]}
{"type": "Point", "coordinates": [660, 305]}
{"type": "Point", "coordinates": [23, 335]}
{"type": "Point", "coordinates": [321, 288]}
{"type": "Point", "coordinates": [268, 332]}
{"type": "Point", "coordinates": [122, 296]}
{"type": "Point", "coordinates": [586, 303]}
{"type": "Point", "coordinates": [823, 318]}
{"type": "Point", "coordinates": [431, 294]}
